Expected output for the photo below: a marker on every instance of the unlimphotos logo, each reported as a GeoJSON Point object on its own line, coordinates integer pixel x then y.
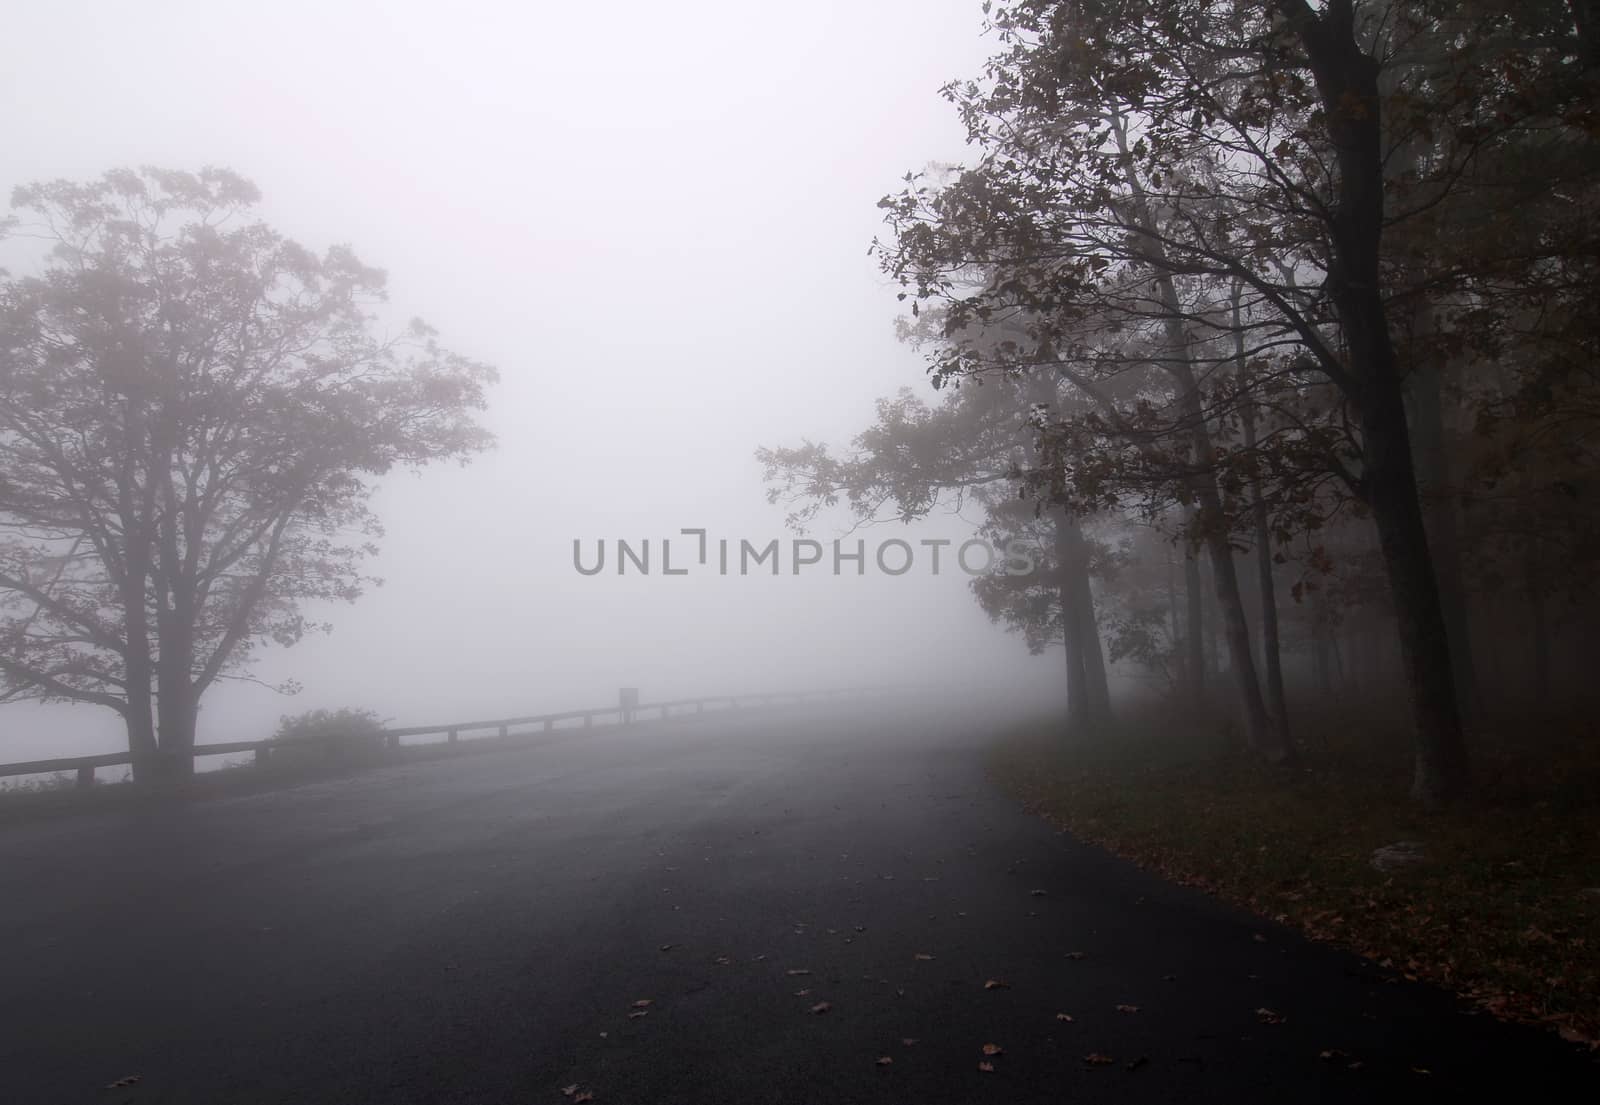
{"type": "Point", "coordinates": [740, 556]}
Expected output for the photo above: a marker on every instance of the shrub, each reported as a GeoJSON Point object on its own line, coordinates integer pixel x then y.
{"type": "Point", "coordinates": [341, 735]}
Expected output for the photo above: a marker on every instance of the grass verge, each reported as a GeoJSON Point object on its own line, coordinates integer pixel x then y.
{"type": "Point", "coordinates": [1506, 910]}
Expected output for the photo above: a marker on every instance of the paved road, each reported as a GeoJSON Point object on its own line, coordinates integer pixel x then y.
{"type": "Point", "coordinates": [478, 931]}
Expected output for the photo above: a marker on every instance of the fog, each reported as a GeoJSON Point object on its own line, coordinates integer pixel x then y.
{"type": "Point", "coordinates": [654, 221]}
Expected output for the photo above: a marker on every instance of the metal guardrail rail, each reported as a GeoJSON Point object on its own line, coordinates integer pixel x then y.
{"type": "Point", "coordinates": [503, 728]}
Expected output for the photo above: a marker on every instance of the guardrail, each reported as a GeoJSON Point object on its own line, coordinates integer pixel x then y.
{"type": "Point", "coordinates": [504, 728]}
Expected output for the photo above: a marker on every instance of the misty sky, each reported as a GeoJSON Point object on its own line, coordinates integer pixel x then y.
{"type": "Point", "coordinates": [653, 219]}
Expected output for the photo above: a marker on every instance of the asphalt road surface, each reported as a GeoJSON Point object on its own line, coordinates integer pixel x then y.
{"type": "Point", "coordinates": [817, 906]}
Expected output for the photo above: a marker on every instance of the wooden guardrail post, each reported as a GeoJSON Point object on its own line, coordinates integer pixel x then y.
{"type": "Point", "coordinates": [505, 731]}
{"type": "Point", "coordinates": [452, 736]}
{"type": "Point", "coordinates": [86, 775]}
{"type": "Point", "coordinates": [263, 754]}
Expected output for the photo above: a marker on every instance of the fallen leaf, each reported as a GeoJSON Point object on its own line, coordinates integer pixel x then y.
{"type": "Point", "coordinates": [604, 1035]}
{"type": "Point", "coordinates": [1139, 1062]}
{"type": "Point", "coordinates": [923, 956]}
{"type": "Point", "coordinates": [586, 1095]}
{"type": "Point", "coordinates": [643, 1003]}
{"type": "Point", "coordinates": [1420, 1070]}
{"type": "Point", "coordinates": [1064, 1016]}
{"type": "Point", "coordinates": [986, 1067]}
{"type": "Point", "coordinates": [1037, 893]}
{"type": "Point", "coordinates": [721, 961]}
{"type": "Point", "coordinates": [797, 971]}
{"type": "Point", "coordinates": [668, 947]}
{"type": "Point", "coordinates": [822, 1007]}
{"type": "Point", "coordinates": [802, 993]}
{"type": "Point", "coordinates": [1332, 1053]}
{"type": "Point", "coordinates": [1169, 978]}
{"type": "Point", "coordinates": [1258, 938]}
{"type": "Point", "coordinates": [129, 1080]}
{"type": "Point", "coordinates": [992, 1049]}
{"type": "Point", "coordinates": [1127, 1008]}
{"type": "Point", "coordinates": [1095, 1059]}
{"type": "Point", "coordinates": [908, 1041]}
{"type": "Point", "coordinates": [568, 1091]}
{"type": "Point", "coordinates": [1075, 955]}
{"type": "Point", "coordinates": [884, 1060]}
{"type": "Point", "coordinates": [637, 1013]}
{"type": "Point", "coordinates": [996, 984]}
{"type": "Point", "coordinates": [1270, 1016]}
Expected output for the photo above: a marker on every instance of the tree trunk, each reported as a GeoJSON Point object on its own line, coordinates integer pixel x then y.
{"type": "Point", "coordinates": [1347, 84]}
{"type": "Point", "coordinates": [1194, 625]}
{"type": "Point", "coordinates": [1277, 702]}
{"type": "Point", "coordinates": [139, 714]}
{"type": "Point", "coordinates": [1259, 734]}
{"type": "Point", "coordinates": [1201, 480]}
{"type": "Point", "coordinates": [1174, 620]}
{"type": "Point", "coordinates": [177, 706]}
{"type": "Point", "coordinates": [1441, 772]}
{"type": "Point", "coordinates": [1078, 712]}
{"type": "Point", "coordinates": [1074, 548]}
{"type": "Point", "coordinates": [1439, 512]}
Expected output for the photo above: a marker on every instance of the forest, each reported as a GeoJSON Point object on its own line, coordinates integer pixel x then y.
{"type": "Point", "coordinates": [1270, 329]}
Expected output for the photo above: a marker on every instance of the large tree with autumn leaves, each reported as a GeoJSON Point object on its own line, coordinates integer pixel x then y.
{"type": "Point", "coordinates": [193, 413]}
